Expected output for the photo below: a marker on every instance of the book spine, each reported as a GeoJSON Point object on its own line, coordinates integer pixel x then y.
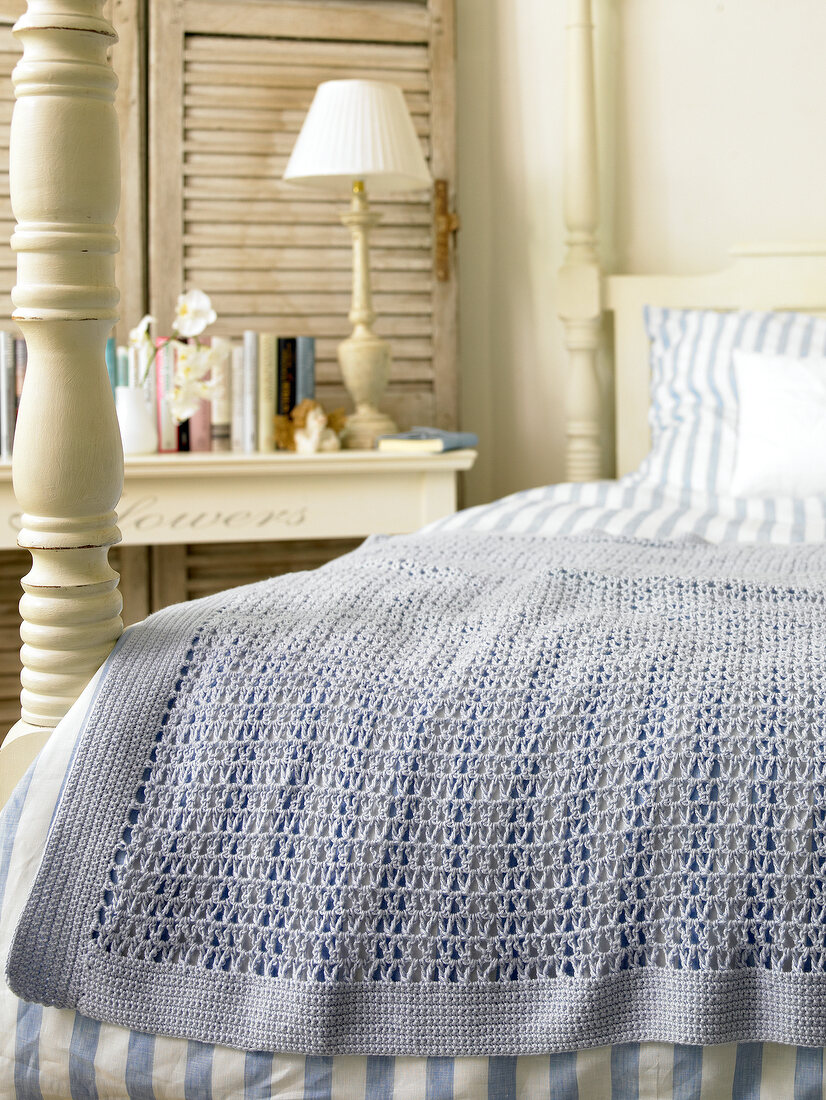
{"type": "Point", "coordinates": [304, 369]}
{"type": "Point", "coordinates": [286, 376]}
{"type": "Point", "coordinates": [165, 382]}
{"type": "Point", "coordinates": [267, 372]}
{"type": "Point", "coordinates": [21, 358]}
{"type": "Point", "coordinates": [112, 362]}
{"type": "Point", "coordinates": [8, 394]}
{"type": "Point", "coordinates": [250, 429]}
{"type": "Point", "coordinates": [237, 398]}
{"type": "Point", "coordinates": [200, 428]}
{"type": "Point", "coordinates": [221, 411]}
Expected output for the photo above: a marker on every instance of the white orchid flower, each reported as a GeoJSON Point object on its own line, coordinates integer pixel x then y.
{"type": "Point", "coordinates": [193, 313]}
{"type": "Point", "coordinates": [214, 357]}
{"type": "Point", "coordinates": [191, 386]}
{"type": "Point", "coordinates": [186, 398]}
{"type": "Point", "coordinates": [193, 362]}
{"type": "Point", "coordinates": [140, 333]}
{"type": "Point", "coordinates": [186, 359]}
{"type": "Point", "coordinates": [184, 402]}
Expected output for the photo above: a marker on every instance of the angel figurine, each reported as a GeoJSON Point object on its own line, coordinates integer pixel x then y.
{"type": "Point", "coordinates": [315, 435]}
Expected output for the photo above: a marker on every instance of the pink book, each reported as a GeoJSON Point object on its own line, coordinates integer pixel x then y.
{"type": "Point", "coordinates": [200, 428]}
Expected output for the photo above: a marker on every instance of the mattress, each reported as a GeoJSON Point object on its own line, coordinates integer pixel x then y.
{"type": "Point", "coordinates": [51, 1053]}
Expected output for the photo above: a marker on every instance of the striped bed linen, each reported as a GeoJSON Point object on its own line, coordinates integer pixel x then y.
{"type": "Point", "coordinates": [46, 1053]}
{"type": "Point", "coordinates": [694, 400]}
{"type": "Point", "coordinates": [633, 508]}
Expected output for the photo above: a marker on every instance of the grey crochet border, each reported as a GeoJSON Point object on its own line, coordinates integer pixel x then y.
{"type": "Point", "coordinates": [48, 963]}
{"type": "Point", "coordinates": [473, 1019]}
{"type": "Point", "coordinates": [47, 955]}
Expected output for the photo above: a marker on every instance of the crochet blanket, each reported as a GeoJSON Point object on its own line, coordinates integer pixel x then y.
{"type": "Point", "coordinates": [455, 794]}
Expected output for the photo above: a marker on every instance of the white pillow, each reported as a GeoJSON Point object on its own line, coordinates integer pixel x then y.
{"type": "Point", "coordinates": [781, 429]}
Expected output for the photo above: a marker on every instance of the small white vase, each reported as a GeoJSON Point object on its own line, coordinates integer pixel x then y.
{"type": "Point", "coordinates": [138, 430]}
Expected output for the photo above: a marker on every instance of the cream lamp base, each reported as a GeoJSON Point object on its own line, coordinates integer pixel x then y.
{"type": "Point", "coordinates": [364, 427]}
{"type": "Point", "coordinates": [364, 359]}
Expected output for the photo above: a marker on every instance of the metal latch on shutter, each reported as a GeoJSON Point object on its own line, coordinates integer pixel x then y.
{"type": "Point", "coordinates": [445, 223]}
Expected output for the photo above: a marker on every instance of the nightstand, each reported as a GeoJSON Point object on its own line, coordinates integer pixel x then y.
{"type": "Point", "coordinates": [216, 497]}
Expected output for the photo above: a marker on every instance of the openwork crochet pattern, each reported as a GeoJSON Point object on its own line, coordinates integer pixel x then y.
{"type": "Point", "coordinates": [455, 794]}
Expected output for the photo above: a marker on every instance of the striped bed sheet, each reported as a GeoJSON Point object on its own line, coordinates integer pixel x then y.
{"type": "Point", "coordinates": [46, 1053]}
{"type": "Point", "coordinates": [633, 507]}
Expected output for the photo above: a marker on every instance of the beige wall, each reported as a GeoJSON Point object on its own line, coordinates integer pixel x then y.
{"type": "Point", "coordinates": [712, 131]}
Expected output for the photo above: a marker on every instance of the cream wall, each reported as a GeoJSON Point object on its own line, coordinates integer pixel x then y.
{"type": "Point", "coordinates": [712, 131]}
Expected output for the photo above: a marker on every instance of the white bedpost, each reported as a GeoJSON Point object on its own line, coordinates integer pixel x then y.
{"type": "Point", "coordinates": [580, 277]}
{"type": "Point", "coordinates": [68, 463]}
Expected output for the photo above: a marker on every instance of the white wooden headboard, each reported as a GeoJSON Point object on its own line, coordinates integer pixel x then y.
{"type": "Point", "coordinates": [759, 277]}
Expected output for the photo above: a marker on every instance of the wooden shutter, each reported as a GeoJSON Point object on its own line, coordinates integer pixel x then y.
{"type": "Point", "coordinates": [128, 58]}
{"type": "Point", "coordinates": [10, 51]}
{"type": "Point", "coordinates": [229, 87]}
{"type": "Point", "coordinates": [13, 565]}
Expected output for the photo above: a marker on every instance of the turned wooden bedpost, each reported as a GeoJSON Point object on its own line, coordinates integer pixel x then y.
{"type": "Point", "coordinates": [68, 463]}
{"type": "Point", "coordinates": [580, 277]}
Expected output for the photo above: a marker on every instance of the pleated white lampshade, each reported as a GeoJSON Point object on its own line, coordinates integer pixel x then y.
{"type": "Point", "coordinates": [358, 130]}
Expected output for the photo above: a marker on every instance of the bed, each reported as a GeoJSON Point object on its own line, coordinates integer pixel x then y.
{"type": "Point", "coordinates": [670, 518]}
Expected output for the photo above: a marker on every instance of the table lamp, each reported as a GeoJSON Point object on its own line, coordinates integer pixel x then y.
{"type": "Point", "coordinates": [358, 136]}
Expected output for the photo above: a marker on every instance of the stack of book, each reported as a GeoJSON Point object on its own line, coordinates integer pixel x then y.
{"type": "Point", "coordinates": [270, 375]}
{"type": "Point", "coordinates": [424, 441]}
{"type": "Point", "coordinates": [253, 381]}
{"type": "Point", "coordinates": [12, 372]}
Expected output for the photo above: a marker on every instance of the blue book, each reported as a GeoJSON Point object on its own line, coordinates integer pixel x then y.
{"type": "Point", "coordinates": [304, 369]}
{"type": "Point", "coordinates": [112, 362]}
{"type": "Point", "coordinates": [122, 369]}
{"type": "Point", "coordinates": [426, 441]}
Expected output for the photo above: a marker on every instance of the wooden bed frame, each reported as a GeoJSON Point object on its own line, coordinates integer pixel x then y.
{"type": "Point", "coordinates": [68, 466]}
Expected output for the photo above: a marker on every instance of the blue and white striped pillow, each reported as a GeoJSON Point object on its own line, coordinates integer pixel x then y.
{"type": "Point", "coordinates": [693, 413]}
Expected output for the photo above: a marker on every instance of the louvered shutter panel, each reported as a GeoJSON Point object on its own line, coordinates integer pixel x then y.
{"type": "Point", "coordinates": [13, 565]}
{"type": "Point", "coordinates": [229, 88]}
{"type": "Point", "coordinates": [10, 51]}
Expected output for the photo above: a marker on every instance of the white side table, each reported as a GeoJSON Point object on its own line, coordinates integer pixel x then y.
{"type": "Point", "coordinates": [213, 497]}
